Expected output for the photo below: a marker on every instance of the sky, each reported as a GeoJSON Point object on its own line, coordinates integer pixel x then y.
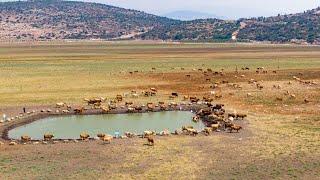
{"type": "Point", "coordinates": [231, 9]}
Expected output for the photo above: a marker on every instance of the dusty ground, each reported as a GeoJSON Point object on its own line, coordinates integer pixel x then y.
{"type": "Point", "coordinates": [280, 141]}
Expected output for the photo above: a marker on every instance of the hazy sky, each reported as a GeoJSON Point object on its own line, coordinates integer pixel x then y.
{"type": "Point", "coordinates": [227, 8]}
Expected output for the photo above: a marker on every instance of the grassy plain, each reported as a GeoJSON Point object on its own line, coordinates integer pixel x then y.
{"type": "Point", "coordinates": [45, 73]}
{"type": "Point", "coordinates": [280, 139]}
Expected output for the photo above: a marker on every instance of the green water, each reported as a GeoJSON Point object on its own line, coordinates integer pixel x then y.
{"type": "Point", "coordinates": [70, 127]}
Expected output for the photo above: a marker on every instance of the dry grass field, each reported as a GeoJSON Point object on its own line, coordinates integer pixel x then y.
{"type": "Point", "coordinates": [281, 139]}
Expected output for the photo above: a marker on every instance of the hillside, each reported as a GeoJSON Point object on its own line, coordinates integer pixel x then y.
{"type": "Point", "coordinates": [55, 19]}
{"type": "Point", "coordinates": [293, 27]}
{"type": "Point", "coordinates": [202, 29]}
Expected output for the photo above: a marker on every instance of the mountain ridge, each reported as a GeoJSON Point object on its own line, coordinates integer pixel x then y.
{"type": "Point", "coordinates": [57, 19]}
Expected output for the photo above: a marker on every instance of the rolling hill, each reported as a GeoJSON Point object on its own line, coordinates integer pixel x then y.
{"type": "Point", "coordinates": [56, 19]}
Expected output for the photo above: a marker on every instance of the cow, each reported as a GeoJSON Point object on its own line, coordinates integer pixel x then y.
{"type": "Point", "coordinates": [131, 110]}
{"type": "Point", "coordinates": [207, 131]}
{"type": "Point", "coordinates": [227, 125]}
{"type": "Point", "coordinates": [119, 98]}
{"type": "Point", "coordinates": [163, 107]}
{"type": "Point", "coordinates": [128, 103]}
{"type": "Point", "coordinates": [101, 135]}
{"type": "Point", "coordinates": [150, 140]}
{"type": "Point", "coordinates": [84, 136]}
{"type": "Point", "coordinates": [93, 101]}
{"type": "Point", "coordinates": [150, 107]}
{"type": "Point", "coordinates": [48, 137]}
{"type": "Point", "coordinates": [60, 105]}
{"type": "Point", "coordinates": [217, 107]}
{"type": "Point", "coordinates": [192, 132]}
{"type": "Point", "coordinates": [235, 127]}
{"type": "Point", "coordinates": [25, 138]}
{"type": "Point", "coordinates": [105, 109]}
{"type": "Point", "coordinates": [195, 118]}
{"type": "Point", "coordinates": [129, 134]}
{"type": "Point", "coordinates": [232, 115]}
{"type": "Point", "coordinates": [148, 133]}
{"type": "Point", "coordinates": [240, 116]}
{"type": "Point", "coordinates": [153, 89]}
{"type": "Point", "coordinates": [175, 94]}
{"type": "Point", "coordinates": [215, 127]}
{"type": "Point", "coordinates": [79, 110]}
{"type": "Point", "coordinates": [107, 139]}
{"type": "Point", "coordinates": [193, 99]}
{"type": "Point", "coordinates": [138, 108]}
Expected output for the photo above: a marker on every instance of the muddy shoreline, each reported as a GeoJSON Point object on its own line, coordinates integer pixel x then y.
{"type": "Point", "coordinates": [7, 126]}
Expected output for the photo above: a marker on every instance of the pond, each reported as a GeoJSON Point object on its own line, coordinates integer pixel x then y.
{"type": "Point", "coordinates": [70, 127]}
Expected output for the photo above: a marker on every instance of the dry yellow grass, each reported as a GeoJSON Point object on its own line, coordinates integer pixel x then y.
{"type": "Point", "coordinates": [44, 73]}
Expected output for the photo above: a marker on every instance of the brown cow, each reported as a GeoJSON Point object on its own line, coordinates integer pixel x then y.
{"type": "Point", "coordinates": [241, 116]}
{"type": "Point", "coordinates": [138, 108]}
{"type": "Point", "coordinates": [215, 127]}
{"type": "Point", "coordinates": [235, 127]}
{"type": "Point", "coordinates": [25, 138]}
{"type": "Point", "coordinates": [93, 101]}
{"type": "Point", "coordinates": [163, 107]}
{"type": "Point", "coordinates": [48, 137]}
{"type": "Point", "coordinates": [119, 98]}
{"type": "Point", "coordinates": [150, 106]}
{"type": "Point", "coordinates": [128, 103]}
{"type": "Point", "coordinates": [150, 140]}
{"type": "Point", "coordinates": [79, 110]}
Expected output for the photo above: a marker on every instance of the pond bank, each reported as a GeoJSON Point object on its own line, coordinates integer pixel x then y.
{"type": "Point", "coordinates": [29, 118]}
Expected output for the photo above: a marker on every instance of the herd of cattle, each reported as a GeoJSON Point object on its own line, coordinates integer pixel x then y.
{"type": "Point", "coordinates": [212, 115]}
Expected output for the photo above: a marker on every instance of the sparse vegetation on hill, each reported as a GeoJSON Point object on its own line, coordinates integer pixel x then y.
{"type": "Point", "coordinates": [294, 27]}
{"type": "Point", "coordinates": [56, 19]}
{"type": "Point", "coordinates": [203, 29]}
